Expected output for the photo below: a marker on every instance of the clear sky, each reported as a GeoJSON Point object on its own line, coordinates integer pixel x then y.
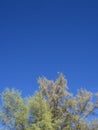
{"type": "Point", "coordinates": [43, 37]}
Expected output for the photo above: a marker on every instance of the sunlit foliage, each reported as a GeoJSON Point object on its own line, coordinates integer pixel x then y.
{"type": "Point", "coordinates": [53, 107]}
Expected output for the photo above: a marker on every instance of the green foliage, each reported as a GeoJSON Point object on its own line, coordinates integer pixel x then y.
{"type": "Point", "coordinates": [13, 111]}
{"type": "Point", "coordinates": [40, 113]}
{"type": "Point", "coordinates": [52, 108]}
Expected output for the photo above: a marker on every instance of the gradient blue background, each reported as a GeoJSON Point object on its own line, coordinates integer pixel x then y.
{"type": "Point", "coordinates": [43, 37]}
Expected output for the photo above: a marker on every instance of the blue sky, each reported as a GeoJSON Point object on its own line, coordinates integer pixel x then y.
{"type": "Point", "coordinates": [43, 37]}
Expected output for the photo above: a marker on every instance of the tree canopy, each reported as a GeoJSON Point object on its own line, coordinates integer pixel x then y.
{"type": "Point", "coordinates": [53, 107]}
